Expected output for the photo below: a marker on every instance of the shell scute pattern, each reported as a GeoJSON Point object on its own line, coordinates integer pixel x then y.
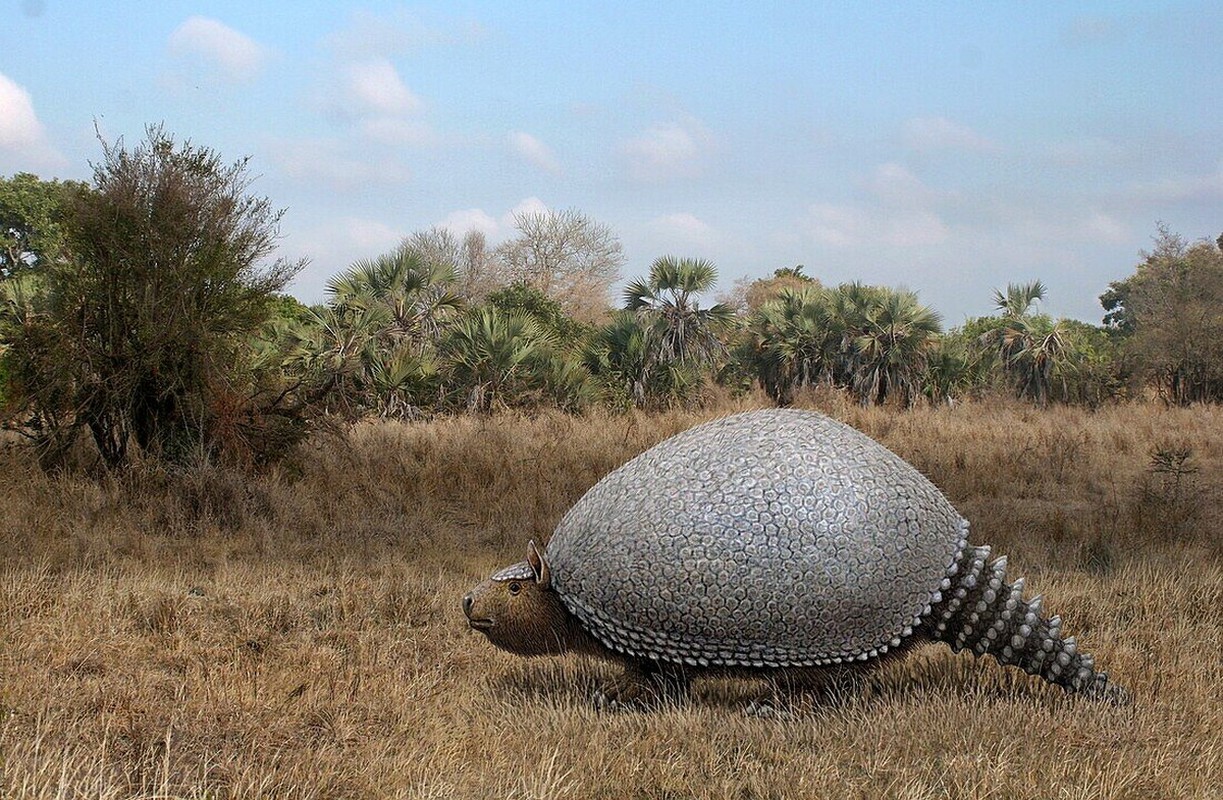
{"type": "Point", "coordinates": [771, 538]}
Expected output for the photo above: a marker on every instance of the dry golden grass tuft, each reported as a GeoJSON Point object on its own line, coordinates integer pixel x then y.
{"type": "Point", "coordinates": [299, 635]}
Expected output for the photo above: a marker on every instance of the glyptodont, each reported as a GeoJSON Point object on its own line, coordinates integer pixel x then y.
{"type": "Point", "coordinates": [776, 543]}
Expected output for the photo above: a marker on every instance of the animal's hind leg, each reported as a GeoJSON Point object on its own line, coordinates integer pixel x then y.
{"type": "Point", "coordinates": [820, 685]}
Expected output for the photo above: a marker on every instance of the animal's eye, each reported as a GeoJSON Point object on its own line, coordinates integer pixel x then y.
{"type": "Point", "coordinates": [515, 587]}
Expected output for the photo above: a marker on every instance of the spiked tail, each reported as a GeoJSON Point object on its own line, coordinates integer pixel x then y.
{"type": "Point", "coordinates": [976, 609]}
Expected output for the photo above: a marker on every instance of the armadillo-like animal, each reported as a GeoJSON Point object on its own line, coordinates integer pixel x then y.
{"type": "Point", "coordinates": [769, 540]}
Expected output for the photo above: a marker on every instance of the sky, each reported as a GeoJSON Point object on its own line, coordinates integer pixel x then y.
{"type": "Point", "coordinates": [950, 148]}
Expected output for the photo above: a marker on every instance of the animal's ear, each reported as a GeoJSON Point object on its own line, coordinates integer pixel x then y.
{"type": "Point", "coordinates": [539, 566]}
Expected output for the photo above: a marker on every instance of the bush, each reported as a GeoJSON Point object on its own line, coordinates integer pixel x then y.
{"type": "Point", "coordinates": [143, 332]}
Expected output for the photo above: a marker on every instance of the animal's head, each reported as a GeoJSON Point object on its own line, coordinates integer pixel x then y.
{"type": "Point", "coordinates": [518, 611]}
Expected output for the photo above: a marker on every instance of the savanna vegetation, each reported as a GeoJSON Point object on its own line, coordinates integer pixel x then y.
{"type": "Point", "coordinates": [142, 312]}
{"type": "Point", "coordinates": [234, 529]}
{"type": "Point", "coordinates": [298, 633]}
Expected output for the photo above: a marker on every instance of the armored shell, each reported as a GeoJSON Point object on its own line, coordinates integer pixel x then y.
{"type": "Point", "coordinates": [770, 538]}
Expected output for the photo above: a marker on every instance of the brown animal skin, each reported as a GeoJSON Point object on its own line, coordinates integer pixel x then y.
{"type": "Point", "coordinates": [526, 617]}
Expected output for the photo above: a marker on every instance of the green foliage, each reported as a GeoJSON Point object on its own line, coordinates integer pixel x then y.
{"type": "Point", "coordinates": [373, 348]}
{"type": "Point", "coordinates": [872, 341]}
{"type": "Point", "coordinates": [1027, 354]}
{"type": "Point", "coordinates": [143, 332]}
{"type": "Point", "coordinates": [416, 294]}
{"type": "Point", "coordinates": [658, 350]}
{"type": "Point", "coordinates": [1093, 371]}
{"type": "Point", "coordinates": [547, 312]}
{"type": "Point", "coordinates": [288, 309]}
{"type": "Point", "coordinates": [32, 235]}
{"type": "Point", "coordinates": [894, 335]}
{"type": "Point", "coordinates": [681, 332]}
{"type": "Point", "coordinates": [1031, 349]}
{"type": "Point", "coordinates": [1170, 316]}
{"type": "Point", "coordinates": [497, 360]}
{"type": "Point", "coordinates": [952, 369]}
{"type": "Point", "coordinates": [792, 342]}
{"type": "Point", "coordinates": [623, 356]}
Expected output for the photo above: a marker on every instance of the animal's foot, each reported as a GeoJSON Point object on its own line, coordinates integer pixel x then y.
{"type": "Point", "coordinates": [1105, 691]}
{"type": "Point", "coordinates": [635, 689]}
{"type": "Point", "coordinates": [769, 709]}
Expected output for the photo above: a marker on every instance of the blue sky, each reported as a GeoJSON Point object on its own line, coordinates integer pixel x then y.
{"type": "Point", "coordinates": [947, 147]}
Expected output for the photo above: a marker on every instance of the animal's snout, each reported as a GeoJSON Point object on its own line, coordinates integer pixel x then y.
{"type": "Point", "coordinates": [467, 601]}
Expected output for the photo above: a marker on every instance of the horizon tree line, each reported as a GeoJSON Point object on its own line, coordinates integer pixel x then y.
{"type": "Point", "coordinates": [142, 309]}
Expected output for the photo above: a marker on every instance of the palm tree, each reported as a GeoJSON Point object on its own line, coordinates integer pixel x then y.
{"type": "Point", "coordinates": [619, 354]}
{"type": "Point", "coordinates": [893, 338]}
{"type": "Point", "coordinates": [418, 295]}
{"type": "Point", "coordinates": [793, 341]}
{"type": "Point", "coordinates": [683, 331]}
{"type": "Point", "coordinates": [495, 359]}
{"type": "Point", "coordinates": [1019, 298]}
{"type": "Point", "coordinates": [1031, 348]}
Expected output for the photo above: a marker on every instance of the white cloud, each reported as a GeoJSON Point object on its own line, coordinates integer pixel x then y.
{"type": "Point", "coordinates": [939, 133]}
{"type": "Point", "coordinates": [394, 131]}
{"type": "Point", "coordinates": [21, 132]}
{"type": "Point", "coordinates": [369, 34]}
{"type": "Point", "coordinates": [19, 125]}
{"type": "Point", "coordinates": [495, 228]}
{"type": "Point", "coordinates": [667, 150]}
{"type": "Point", "coordinates": [525, 207]}
{"type": "Point", "coordinates": [895, 185]}
{"type": "Point", "coordinates": [1103, 227]}
{"type": "Point", "coordinates": [1180, 189]}
{"type": "Point", "coordinates": [332, 163]}
{"type": "Point", "coordinates": [533, 151]}
{"type": "Point", "coordinates": [835, 225]}
{"type": "Point", "coordinates": [374, 87]}
{"type": "Point", "coordinates": [235, 55]}
{"type": "Point", "coordinates": [683, 229]}
{"type": "Point", "coordinates": [372, 98]}
{"type": "Point", "coordinates": [899, 211]}
{"type": "Point", "coordinates": [918, 229]}
{"type": "Point", "coordinates": [472, 219]}
{"type": "Point", "coordinates": [371, 236]}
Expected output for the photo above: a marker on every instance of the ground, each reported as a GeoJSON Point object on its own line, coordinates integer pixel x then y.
{"type": "Point", "coordinates": [299, 634]}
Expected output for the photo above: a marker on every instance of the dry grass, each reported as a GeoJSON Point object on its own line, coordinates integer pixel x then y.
{"type": "Point", "coordinates": [299, 635]}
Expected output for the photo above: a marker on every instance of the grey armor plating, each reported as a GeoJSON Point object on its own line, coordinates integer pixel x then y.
{"type": "Point", "coordinates": [766, 539]}
{"type": "Point", "coordinates": [514, 572]}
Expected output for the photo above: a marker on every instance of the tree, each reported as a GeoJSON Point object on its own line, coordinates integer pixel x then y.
{"type": "Point", "coordinates": [682, 332]}
{"type": "Point", "coordinates": [623, 356]}
{"type": "Point", "coordinates": [32, 222]}
{"type": "Point", "coordinates": [143, 332]}
{"type": "Point", "coordinates": [793, 341]}
{"type": "Point", "coordinates": [349, 365]}
{"type": "Point", "coordinates": [567, 256]}
{"type": "Point", "coordinates": [496, 360]}
{"type": "Point", "coordinates": [870, 340]}
{"type": "Point", "coordinates": [657, 350]}
{"type": "Point", "coordinates": [748, 295]}
{"type": "Point", "coordinates": [1031, 348]}
{"type": "Point", "coordinates": [1169, 316]}
{"type": "Point", "coordinates": [893, 339]}
{"type": "Point", "coordinates": [417, 294]}
{"type": "Point", "coordinates": [519, 296]}
{"type": "Point", "coordinates": [373, 348]}
{"type": "Point", "coordinates": [476, 269]}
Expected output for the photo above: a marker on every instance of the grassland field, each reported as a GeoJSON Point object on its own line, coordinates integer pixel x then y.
{"type": "Point", "coordinates": [298, 634]}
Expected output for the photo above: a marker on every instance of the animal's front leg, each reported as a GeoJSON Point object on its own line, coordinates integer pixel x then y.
{"type": "Point", "coordinates": [644, 683]}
